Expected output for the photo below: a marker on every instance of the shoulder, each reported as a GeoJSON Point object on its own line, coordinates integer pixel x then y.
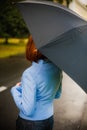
{"type": "Point", "coordinates": [28, 79]}
{"type": "Point", "coordinates": [30, 72]}
{"type": "Point", "coordinates": [31, 69]}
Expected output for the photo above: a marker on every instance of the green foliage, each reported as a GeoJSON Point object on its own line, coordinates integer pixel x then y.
{"type": "Point", "coordinates": [11, 22]}
{"type": "Point", "coordinates": [60, 1]}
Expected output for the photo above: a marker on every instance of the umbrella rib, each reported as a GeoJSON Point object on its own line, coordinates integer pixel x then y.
{"type": "Point", "coordinates": [61, 37]}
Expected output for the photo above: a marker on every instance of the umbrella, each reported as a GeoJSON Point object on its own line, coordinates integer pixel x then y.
{"type": "Point", "coordinates": [60, 34]}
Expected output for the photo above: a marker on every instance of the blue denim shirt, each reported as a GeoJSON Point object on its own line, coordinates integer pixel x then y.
{"type": "Point", "coordinates": [39, 87]}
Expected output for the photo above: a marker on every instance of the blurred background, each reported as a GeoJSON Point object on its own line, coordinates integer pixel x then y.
{"type": "Point", "coordinates": [71, 108]}
{"type": "Point", "coordinates": [13, 31]}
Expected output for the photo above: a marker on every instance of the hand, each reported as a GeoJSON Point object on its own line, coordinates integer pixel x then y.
{"type": "Point", "coordinates": [18, 84]}
{"type": "Point", "coordinates": [18, 87]}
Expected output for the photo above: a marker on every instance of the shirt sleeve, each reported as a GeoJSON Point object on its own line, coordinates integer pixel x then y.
{"type": "Point", "coordinates": [59, 91]}
{"type": "Point", "coordinates": [25, 98]}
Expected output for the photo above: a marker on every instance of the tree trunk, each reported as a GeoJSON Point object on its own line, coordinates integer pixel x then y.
{"type": "Point", "coordinates": [6, 41]}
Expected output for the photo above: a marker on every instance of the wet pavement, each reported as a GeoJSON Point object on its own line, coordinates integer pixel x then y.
{"type": "Point", "coordinates": [71, 108]}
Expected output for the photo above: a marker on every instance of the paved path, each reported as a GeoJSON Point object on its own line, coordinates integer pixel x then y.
{"type": "Point", "coordinates": [71, 108]}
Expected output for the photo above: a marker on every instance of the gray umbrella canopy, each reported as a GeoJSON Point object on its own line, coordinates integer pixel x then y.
{"type": "Point", "coordinates": [60, 34]}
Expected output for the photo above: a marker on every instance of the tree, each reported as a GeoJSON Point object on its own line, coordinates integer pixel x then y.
{"type": "Point", "coordinates": [61, 2]}
{"type": "Point", "coordinates": [11, 22]}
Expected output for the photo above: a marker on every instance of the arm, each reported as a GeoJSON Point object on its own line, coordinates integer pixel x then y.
{"type": "Point", "coordinates": [59, 91]}
{"type": "Point", "coordinates": [26, 99]}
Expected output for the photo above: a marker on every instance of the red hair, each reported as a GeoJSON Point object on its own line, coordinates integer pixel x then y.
{"type": "Point", "coordinates": [32, 54]}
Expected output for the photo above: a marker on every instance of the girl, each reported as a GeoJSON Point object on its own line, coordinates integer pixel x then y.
{"type": "Point", "coordinates": [34, 95]}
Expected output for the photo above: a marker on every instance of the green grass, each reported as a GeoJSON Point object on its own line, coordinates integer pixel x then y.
{"type": "Point", "coordinates": [14, 47]}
